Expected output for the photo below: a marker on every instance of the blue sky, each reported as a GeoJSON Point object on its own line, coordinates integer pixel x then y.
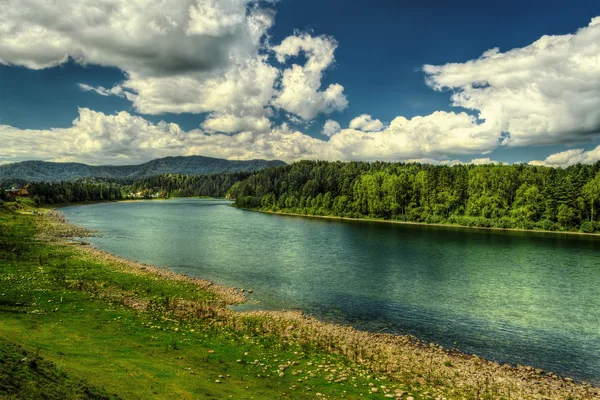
{"type": "Point", "coordinates": [379, 51]}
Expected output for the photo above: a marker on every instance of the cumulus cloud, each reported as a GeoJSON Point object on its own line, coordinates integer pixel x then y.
{"type": "Point", "coordinates": [230, 123]}
{"type": "Point", "coordinates": [483, 161]}
{"type": "Point", "coordinates": [148, 38]}
{"type": "Point", "coordinates": [300, 85]}
{"type": "Point", "coordinates": [366, 123]}
{"type": "Point", "coordinates": [123, 138]}
{"type": "Point", "coordinates": [330, 128]}
{"type": "Point", "coordinates": [179, 56]}
{"type": "Point", "coordinates": [544, 93]}
{"type": "Point", "coordinates": [570, 157]}
{"type": "Point", "coordinates": [243, 89]}
{"type": "Point", "coordinates": [214, 57]}
{"type": "Point", "coordinates": [432, 136]}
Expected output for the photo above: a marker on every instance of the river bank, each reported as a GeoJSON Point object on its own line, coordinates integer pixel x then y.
{"type": "Point", "coordinates": [388, 221]}
{"type": "Point", "coordinates": [391, 362]}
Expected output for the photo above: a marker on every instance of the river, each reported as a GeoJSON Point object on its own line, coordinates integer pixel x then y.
{"type": "Point", "coordinates": [519, 297]}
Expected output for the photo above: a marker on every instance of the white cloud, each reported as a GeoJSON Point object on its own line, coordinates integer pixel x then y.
{"type": "Point", "coordinates": [230, 123]}
{"type": "Point", "coordinates": [124, 138]}
{"type": "Point", "coordinates": [179, 56]}
{"type": "Point", "coordinates": [366, 123]}
{"type": "Point", "coordinates": [102, 91]}
{"type": "Point", "coordinates": [451, 163]}
{"type": "Point", "coordinates": [330, 128]}
{"type": "Point", "coordinates": [545, 93]}
{"type": "Point", "coordinates": [212, 56]}
{"type": "Point", "coordinates": [432, 136]}
{"type": "Point", "coordinates": [146, 37]}
{"type": "Point", "coordinates": [483, 161]}
{"type": "Point", "coordinates": [300, 85]}
{"type": "Point", "coordinates": [570, 157]}
{"type": "Point", "coordinates": [244, 88]}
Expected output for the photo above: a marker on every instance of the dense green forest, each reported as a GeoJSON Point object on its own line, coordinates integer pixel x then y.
{"type": "Point", "coordinates": [215, 185]}
{"type": "Point", "coordinates": [503, 196]}
{"type": "Point", "coordinates": [93, 189]}
{"type": "Point", "coordinates": [76, 191]}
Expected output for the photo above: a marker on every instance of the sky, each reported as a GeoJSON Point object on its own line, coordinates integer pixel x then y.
{"type": "Point", "coordinates": [127, 81]}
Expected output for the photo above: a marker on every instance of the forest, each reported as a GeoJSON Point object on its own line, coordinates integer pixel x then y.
{"type": "Point", "coordinates": [80, 190]}
{"type": "Point", "coordinates": [165, 186]}
{"type": "Point", "coordinates": [502, 196]}
{"type": "Point", "coordinates": [173, 185]}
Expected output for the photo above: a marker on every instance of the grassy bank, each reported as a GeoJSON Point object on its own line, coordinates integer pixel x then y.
{"type": "Point", "coordinates": [118, 328]}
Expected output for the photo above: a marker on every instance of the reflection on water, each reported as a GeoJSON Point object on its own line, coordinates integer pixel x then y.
{"type": "Point", "coordinates": [514, 297]}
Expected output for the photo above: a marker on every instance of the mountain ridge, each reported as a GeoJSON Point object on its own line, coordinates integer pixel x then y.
{"type": "Point", "coordinates": [48, 171]}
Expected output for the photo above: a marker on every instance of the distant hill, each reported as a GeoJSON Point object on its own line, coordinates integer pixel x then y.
{"type": "Point", "coordinates": [42, 171]}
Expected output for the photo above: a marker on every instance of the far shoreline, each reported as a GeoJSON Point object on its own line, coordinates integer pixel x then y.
{"type": "Point", "coordinates": [450, 226]}
{"type": "Point", "coordinates": [90, 203]}
{"type": "Point", "coordinates": [331, 217]}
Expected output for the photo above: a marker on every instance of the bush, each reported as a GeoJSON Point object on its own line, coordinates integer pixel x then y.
{"type": "Point", "coordinates": [588, 227]}
{"type": "Point", "coordinates": [504, 223]}
{"type": "Point", "coordinates": [434, 219]}
{"type": "Point", "coordinates": [546, 225]}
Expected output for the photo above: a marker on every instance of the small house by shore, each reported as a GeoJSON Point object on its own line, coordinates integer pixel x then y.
{"type": "Point", "coordinates": [14, 193]}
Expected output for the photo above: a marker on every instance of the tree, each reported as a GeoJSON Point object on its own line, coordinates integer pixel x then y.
{"type": "Point", "coordinates": [566, 217]}
{"type": "Point", "coordinates": [528, 204]}
{"type": "Point", "coordinates": [591, 191]}
{"type": "Point", "coordinates": [477, 195]}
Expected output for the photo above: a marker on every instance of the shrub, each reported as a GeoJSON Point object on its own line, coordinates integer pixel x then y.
{"type": "Point", "coordinates": [588, 227]}
{"type": "Point", "coordinates": [546, 225]}
{"type": "Point", "coordinates": [504, 223]}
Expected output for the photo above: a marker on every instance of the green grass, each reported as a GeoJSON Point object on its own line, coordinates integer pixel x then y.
{"type": "Point", "coordinates": [27, 375]}
{"type": "Point", "coordinates": [79, 313]}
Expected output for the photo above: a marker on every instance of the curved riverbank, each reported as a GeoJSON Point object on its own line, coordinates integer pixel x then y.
{"type": "Point", "coordinates": [389, 221]}
{"type": "Point", "coordinates": [399, 358]}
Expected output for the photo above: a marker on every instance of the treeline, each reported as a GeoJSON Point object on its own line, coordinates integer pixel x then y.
{"type": "Point", "coordinates": [170, 185]}
{"type": "Point", "coordinates": [173, 185]}
{"type": "Point", "coordinates": [76, 191]}
{"type": "Point", "coordinates": [503, 196]}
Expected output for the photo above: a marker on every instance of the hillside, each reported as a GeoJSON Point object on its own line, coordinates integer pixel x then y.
{"type": "Point", "coordinates": [41, 171]}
